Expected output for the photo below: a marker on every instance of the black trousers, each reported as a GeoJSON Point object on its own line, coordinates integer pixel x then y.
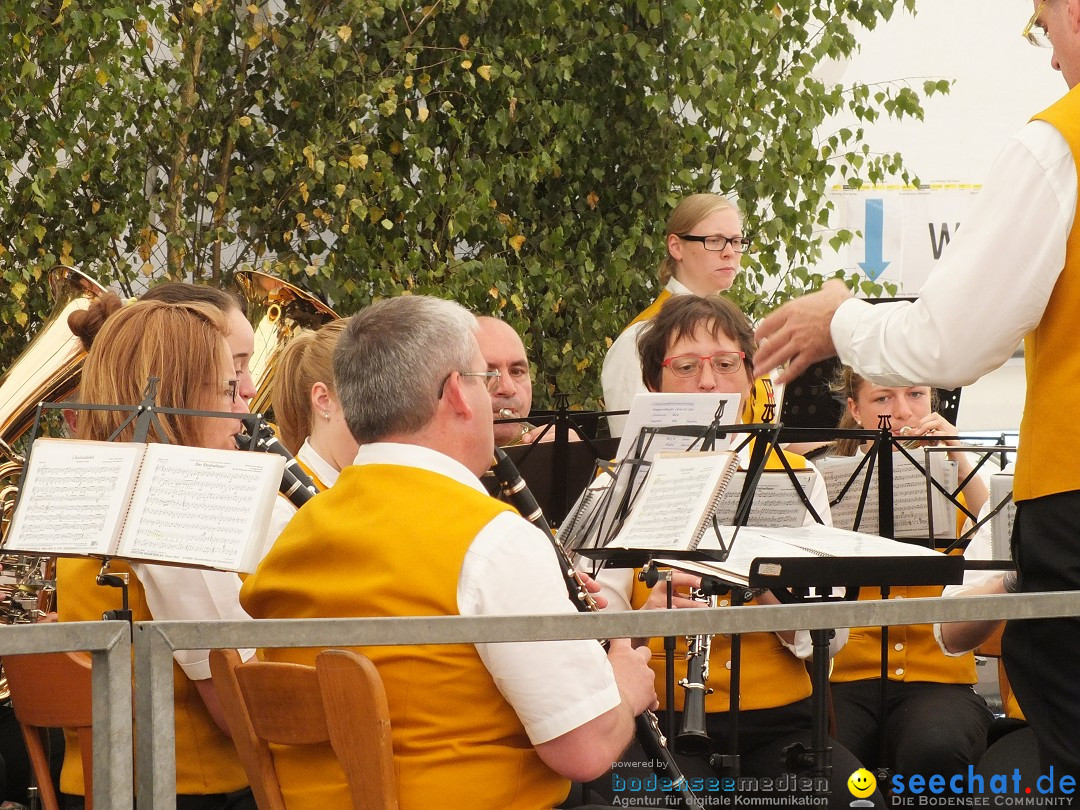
{"type": "Point", "coordinates": [928, 728]}
{"type": "Point", "coordinates": [1042, 656]}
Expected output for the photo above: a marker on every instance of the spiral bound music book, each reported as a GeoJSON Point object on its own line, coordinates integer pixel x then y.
{"type": "Point", "coordinates": [148, 502]}
{"type": "Point", "coordinates": [677, 501]}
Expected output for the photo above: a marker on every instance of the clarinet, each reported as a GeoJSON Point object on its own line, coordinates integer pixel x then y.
{"type": "Point", "coordinates": [647, 727]}
{"type": "Point", "coordinates": [295, 485]}
{"type": "Point", "coordinates": [693, 738]}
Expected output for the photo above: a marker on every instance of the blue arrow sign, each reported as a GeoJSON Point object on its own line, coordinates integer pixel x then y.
{"type": "Point", "coordinates": [874, 234]}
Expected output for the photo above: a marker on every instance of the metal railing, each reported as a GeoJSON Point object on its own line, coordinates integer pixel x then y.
{"type": "Point", "coordinates": [109, 645]}
{"type": "Point", "coordinates": [155, 642]}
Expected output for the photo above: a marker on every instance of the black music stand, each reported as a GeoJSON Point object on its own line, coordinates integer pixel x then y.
{"type": "Point", "coordinates": [553, 469]}
{"type": "Point", "coordinates": [706, 436]}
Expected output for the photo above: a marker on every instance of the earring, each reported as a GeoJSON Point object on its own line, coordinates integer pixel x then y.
{"type": "Point", "coordinates": [326, 415]}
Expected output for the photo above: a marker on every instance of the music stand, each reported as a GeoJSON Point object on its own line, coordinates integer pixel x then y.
{"type": "Point", "coordinates": [142, 416]}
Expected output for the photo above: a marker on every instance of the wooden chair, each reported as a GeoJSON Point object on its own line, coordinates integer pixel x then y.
{"type": "Point", "coordinates": [53, 690]}
{"type": "Point", "coordinates": [991, 648]}
{"type": "Point", "coordinates": [340, 700]}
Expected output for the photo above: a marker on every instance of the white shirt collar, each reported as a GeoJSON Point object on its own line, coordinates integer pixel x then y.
{"type": "Point", "coordinates": [414, 455]}
{"type": "Point", "coordinates": [322, 468]}
{"type": "Point", "coordinates": [676, 287]}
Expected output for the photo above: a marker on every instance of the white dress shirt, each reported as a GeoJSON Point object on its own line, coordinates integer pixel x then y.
{"type": "Point", "coordinates": [511, 569]}
{"type": "Point", "coordinates": [323, 469]}
{"type": "Point", "coordinates": [990, 287]}
{"type": "Point", "coordinates": [621, 372]}
{"type": "Point", "coordinates": [174, 593]}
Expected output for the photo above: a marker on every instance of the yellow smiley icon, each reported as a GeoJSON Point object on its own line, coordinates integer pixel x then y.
{"type": "Point", "coordinates": [861, 783]}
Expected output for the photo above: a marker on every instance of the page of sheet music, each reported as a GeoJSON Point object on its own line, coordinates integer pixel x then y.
{"type": "Point", "coordinates": [201, 507]}
{"type": "Point", "coordinates": [73, 496]}
{"type": "Point", "coordinates": [812, 540]}
{"type": "Point", "coordinates": [910, 515]}
{"type": "Point", "coordinates": [775, 500]}
{"type": "Point", "coordinates": [668, 410]}
{"type": "Point", "coordinates": [581, 529]}
{"type": "Point", "coordinates": [676, 498]}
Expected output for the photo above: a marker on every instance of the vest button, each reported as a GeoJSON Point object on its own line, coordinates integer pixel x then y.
{"type": "Point", "coordinates": [723, 603]}
{"type": "Point", "coordinates": [898, 646]}
{"type": "Point", "coordinates": [899, 670]}
{"type": "Point", "coordinates": [728, 665]}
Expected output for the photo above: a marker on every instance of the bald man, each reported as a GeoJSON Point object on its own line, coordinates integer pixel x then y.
{"type": "Point", "coordinates": [504, 352]}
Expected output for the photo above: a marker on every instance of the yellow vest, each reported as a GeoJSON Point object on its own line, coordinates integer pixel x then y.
{"type": "Point", "coordinates": [770, 676]}
{"type": "Point", "coordinates": [914, 654]}
{"type": "Point", "coordinates": [390, 540]}
{"type": "Point", "coordinates": [206, 761]}
{"type": "Point", "coordinates": [319, 485]}
{"type": "Point", "coordinates": [1046, 463]}
{"type": "Point", "coordinates": [651, 310]}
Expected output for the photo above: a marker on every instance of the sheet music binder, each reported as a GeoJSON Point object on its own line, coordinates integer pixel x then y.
{"type": "Point", "coordinates": [141, 418]}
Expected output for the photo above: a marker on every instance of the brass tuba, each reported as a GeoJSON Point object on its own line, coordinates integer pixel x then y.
{"type": "Point", "coordinates": [279, 311]}
{"type": "Point", "coordinates": [48, 369]}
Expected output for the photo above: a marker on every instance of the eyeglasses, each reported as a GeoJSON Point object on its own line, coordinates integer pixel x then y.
{"type": "Point", "coordinates": [230, 390]}
{"type": "Point", "coordinates": [740, 244]}
{"type": "Point", "coordinates": [690, 365]}
{"type": "Point", "coordinates": [491, 381]}
{"type": "Point", "coordinates": [1035, 32]}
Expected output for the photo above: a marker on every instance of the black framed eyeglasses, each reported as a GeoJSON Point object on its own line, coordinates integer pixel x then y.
{"type": "Point", "coordinates": [1034, 32]}
{"type": "Point", "coordinates": [491, 380]}
{"type": "Point", "coordinates": [740, 244]}
{"type": "Point", "coordinates": [690, 365]}
{"type": "Point", "coordinates": [231, 389]}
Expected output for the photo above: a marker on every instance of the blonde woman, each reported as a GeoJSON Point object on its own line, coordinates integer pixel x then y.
{"type": "Point", "coordinates": [307, 408]}
{"type": "Point", "coordinates": [704, 248]}
{"type": "Point", "coordinates": [129, 346]}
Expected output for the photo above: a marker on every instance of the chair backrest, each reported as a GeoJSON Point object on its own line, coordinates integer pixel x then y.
{"type": "Point", "coordinates": [53, 690]}
{"type": "Point", "coordinates": [991, 648]}
{"type": "Point", "coordinates": [340, 700]}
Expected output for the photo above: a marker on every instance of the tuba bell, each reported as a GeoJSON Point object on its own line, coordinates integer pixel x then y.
{"type": "Point", "coordinates": [279, 311]}
{"type": "Point", "coordinates": [48, 369]}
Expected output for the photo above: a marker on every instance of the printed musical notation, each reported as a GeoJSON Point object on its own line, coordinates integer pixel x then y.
{"type": "Point", "coordinates": [677, 500]}
{"type": "Point", "coordinates": [192, 511]}
{"type": "Point", "coordinates": [152, 502]}
{"type": "Point", "coordinates": [656, 410]}
{"type": "Point", "coordinates": [70, 502]}
{"type": "Point", "coordinates": [911, 508]}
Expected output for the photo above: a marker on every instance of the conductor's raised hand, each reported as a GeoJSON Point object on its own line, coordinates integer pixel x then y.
{"type": "Point", "coordinates": [681, 584]}
{"type": "Point", "coordinates": [797, 334]}
{"type": "Point", "coordinates": [636, 681]}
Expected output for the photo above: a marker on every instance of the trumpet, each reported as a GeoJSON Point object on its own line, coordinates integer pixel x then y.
{"type": "Point", "coordinates": [693, 737]}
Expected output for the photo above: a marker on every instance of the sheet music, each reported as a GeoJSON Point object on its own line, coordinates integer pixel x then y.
{"type": "Point", "coordinates": [199, 506]}
{"type": "Point", "coordinates": [813, 540]}
{"type": "Point", "coordinates": [667, 410]}
{"type": "Point", "coordinates": [910, 514]}
{"type": "Point", "coordinates": [679, 495]}
{"type": "Point", "coordinates": [581, 528]}
{"type": "Point", "coordinates": [73, 496]}
{"type": "Point", "coordinates": [775, 501]}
